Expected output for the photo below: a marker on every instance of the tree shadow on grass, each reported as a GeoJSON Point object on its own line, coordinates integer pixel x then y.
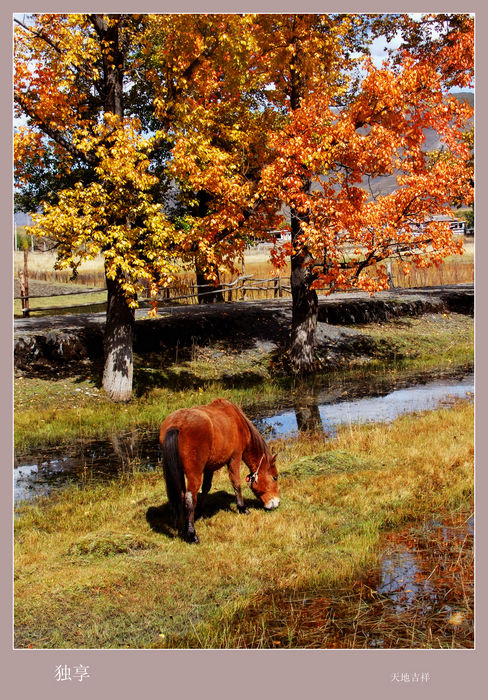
{"type": "Point", "coordinates": [147, 379]}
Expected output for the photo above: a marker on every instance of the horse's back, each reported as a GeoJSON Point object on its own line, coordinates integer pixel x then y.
{"type": "Point", "coordinates": [211, 433]}
{"type": "Point", "coordinates": [188, 421]}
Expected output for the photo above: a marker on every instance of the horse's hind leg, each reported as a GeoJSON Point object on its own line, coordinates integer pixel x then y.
{"type": "Point", "coordinates": [191, 535]}
{"type": "Point", "coordinates": [190, 503]}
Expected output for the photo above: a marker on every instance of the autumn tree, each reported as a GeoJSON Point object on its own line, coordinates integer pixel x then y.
{"type": "Point", "coordinates": [99, 98]}
{"type": "Point", "coordinates": [69, 83]}
{"type": "Point", "coordinates": [300, 116]}
{"type": "Point", "coordinates": [219, 133]}
{"type": "Point", "coordinates": [336, 138]}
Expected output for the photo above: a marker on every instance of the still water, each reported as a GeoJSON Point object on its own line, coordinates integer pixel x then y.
{"type": "Point", "coordinates": [369, 409]}
{"type": "Point", "coordinates": [326, 409]}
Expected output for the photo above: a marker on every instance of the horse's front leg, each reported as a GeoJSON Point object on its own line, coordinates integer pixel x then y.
{"type": "Point", "coordinates": [235, 478]}
{"type": "Point", "coordinates": [207, 484]}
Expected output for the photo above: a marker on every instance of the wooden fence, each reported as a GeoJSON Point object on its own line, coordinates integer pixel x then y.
{"type": "Point", "coordinates": [243, 288]}
{"type": "Point", "coordinates": [247, 288]}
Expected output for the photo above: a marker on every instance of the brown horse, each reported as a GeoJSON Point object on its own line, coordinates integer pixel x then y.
{"type": "Point", "coordinates": [197, 441]}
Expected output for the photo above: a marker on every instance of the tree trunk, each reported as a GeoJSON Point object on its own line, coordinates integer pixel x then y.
{"type": "Point", "coordinates": [206, 291]}
{"type": "Point", "coordinates": [119, 326]}
{"type": "Point", "coordinates": [304, 306]}
{"type": "Point", "coordinates": [119, 335]}
{"type": "Point", "coordinates": [304, 299]}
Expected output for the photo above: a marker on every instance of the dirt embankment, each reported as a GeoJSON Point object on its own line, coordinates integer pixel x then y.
{"type": "Point", "coordinates": [242, 325]}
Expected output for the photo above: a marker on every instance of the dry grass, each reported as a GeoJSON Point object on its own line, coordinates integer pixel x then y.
{"type": "Point", "coordinates": [455, 270]}
{"type": "Point", "coordinates": [430, 603]}
{"type": "Point", "coordinates": [92, 572]}
{"type": "Point", "coordinates": [41, 267]}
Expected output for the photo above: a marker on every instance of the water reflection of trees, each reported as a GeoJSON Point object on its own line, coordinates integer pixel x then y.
{"type": "Point", "coordinates": [307, 404]}
{"type": "Point", "coordinates": [308, 415]}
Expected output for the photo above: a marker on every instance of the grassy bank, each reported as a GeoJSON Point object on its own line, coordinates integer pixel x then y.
{"type": "Point", "coordinates": [100, 568]}
{"type": "Point", "coordinates": [434, 340]}
{"type": "Point", "coordinates": [64, 408]}
{"type": "Point", "coordinates": [64, 304]}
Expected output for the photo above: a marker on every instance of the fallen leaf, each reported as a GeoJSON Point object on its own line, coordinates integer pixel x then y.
{"type": "Point", "coordinates": [456, 618]}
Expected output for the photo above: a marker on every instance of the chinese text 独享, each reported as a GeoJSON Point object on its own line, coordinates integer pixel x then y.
{"type": "Point", "coordinates": [66, 673]}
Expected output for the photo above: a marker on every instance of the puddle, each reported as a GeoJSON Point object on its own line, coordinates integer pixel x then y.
{"type": "Point", "coordinates": [406, 574]}
{"type": "Point", "coordinates": [425, 584]}
{"type": "Point", "coordinates": [323, 408]}
{"type": "Point", "coordinates": [84, 462]}
{"type": "Point", "coordinates": [421, 596]}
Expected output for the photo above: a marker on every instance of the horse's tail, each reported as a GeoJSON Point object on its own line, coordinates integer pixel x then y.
{"type": "Point", "coordinates": [174, 475]}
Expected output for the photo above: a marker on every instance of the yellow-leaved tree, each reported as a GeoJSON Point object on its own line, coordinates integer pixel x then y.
{"type": "Point", "coordinates": [105, 98]}
{"type": "Point", "coordinates": [70, 83]}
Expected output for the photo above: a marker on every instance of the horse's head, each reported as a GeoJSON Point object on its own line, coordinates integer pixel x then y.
{"type": "Point", "coordinates": [263, 480]}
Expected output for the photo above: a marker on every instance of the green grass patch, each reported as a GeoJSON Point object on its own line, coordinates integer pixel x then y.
{"type": "Point", "coordinates": [92, 302]}
{"type": "Point", "coordinates": [434, 340]}
{"type": "Point", "coordinates": [93, 569]}
{"type": "Point", "coordinates": [105, 544]}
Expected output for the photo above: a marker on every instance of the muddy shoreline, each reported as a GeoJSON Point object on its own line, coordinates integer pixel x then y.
{"type": "Point", "coordinates": [261, 325]}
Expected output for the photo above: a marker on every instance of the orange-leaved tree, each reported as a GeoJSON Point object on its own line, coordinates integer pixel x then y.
{"type": "Point", "coordinates": [335, 139]}
{"type": "Point", "coordinates": [219, 135]}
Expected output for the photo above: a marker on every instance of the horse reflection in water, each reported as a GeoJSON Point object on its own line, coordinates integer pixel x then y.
{"type": "Point", "coordinates": [196, 442]}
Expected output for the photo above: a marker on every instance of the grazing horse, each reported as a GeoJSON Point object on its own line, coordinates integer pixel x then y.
{"type": "Point", "coordinates": [198, 441]}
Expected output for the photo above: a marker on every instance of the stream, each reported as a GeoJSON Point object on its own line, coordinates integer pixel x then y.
{"type": "Point", "coordinates": [325, 408]}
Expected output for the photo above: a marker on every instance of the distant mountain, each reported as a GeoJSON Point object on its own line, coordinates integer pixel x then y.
{"type": "Point", "coordinates": [387, 184]}
{"type": "Point", "coordinates": [464, 97]}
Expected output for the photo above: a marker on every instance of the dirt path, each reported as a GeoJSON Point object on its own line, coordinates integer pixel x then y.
{"type": "Point", "coordinates": [342, 307]}
{"type": "Point", "coordinates": [62, 341]}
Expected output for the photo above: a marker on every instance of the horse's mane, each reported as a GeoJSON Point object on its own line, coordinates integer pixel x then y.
{"type": "Point", "coordinates": [257, 441]}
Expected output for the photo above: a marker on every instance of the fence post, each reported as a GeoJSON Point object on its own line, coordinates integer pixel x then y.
{"type": "Point", "coordinates": [391, 284]}
{"type": "Point", "coordinates": [278, 292]}
{"type": "Point", "coordinates": [24, 293]}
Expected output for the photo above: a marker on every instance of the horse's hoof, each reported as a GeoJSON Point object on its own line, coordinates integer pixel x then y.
{"type": "Point", "coordinates": [193, 539]}
{"type": "Point", "coordinates": [244, 511]}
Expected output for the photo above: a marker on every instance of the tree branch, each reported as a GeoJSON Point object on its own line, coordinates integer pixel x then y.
{"type": "Point", "coordinates": [56, 135]}
{"type": "Point", "coordinates": [75, 70]}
